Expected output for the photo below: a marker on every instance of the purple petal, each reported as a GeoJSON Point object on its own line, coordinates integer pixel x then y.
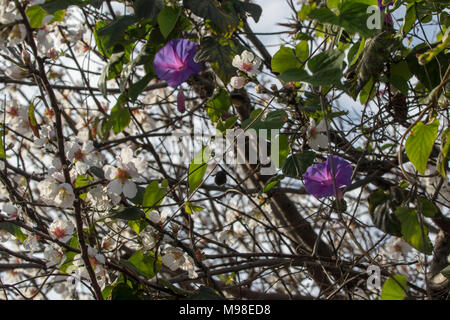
{"type": "Point", "coordinates": [343, 170]}
{"type": "Point", "coordinates": [175, 61]}
{"type": "Point", "coordinates": [318, 177]}
{"type": "Point", "coordinates": [380, 4]}
{"type": "Point", "coordinates": [318, 181]}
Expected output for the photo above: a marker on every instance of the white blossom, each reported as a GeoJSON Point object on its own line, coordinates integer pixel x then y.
{"type": "Point", "coordinates": [62, 229]}
{"type": "Point", "coordinates": [53, 192]}
{"type": "Point", "coordinates": [31, 243]}
{"type": "Point", "coordinates": [98, 197]}
{"type": "Point", "coordinates": [128, 168]}
{"type": "Point", "coordinates": [64, 196]}
{"type": "Point", "coordinates": [11, 211]}
{"type": "Point", "coordinates": [82, 155]}
{"type": "Point", "coordinates": [4, 235]}
{"type": "Point", "coordinates": [96, 260]}
{"type": "Point", "coordinates": [247, 62]}
{"type": "Point", "coordinates": [317, 138]}
{"type": "Point", "coordinates": [54, 256]}
{"type": "Point", "coordinates": [47, 137]}
{"type": "Point", "coordinates": [189, 266]}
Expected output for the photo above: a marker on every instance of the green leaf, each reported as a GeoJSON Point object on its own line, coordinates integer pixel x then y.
{"type": "Point", "coordinates": [370, 62]}
{"type": "Point", "coordinates": [368, 92]}
{"type": "Point", "coordinates": [98, 172]}
{"type": "Point", "coordinates": [14, 230]}
{"type": "Point", "coordinates": [197, 168]}
{"type": "Point", "coordinates": [167, 19]}
{"type": "Point", "coordinates": [114, 32]}
{"type": "Point", "coordinates": [381, 214]}
{"type": "Point", "coordinates": [51, 6]}
{"type": "Point", "coordinates": [190, 208]}
{"type": "Point", "coordinates": [428, 208]}
{"type": "Point", "coordinates": [32, 120]}
{"type": "Point", "coordinates": [410, 18]}
{"type": "Point", "coordinates": [284, 60]}
{"type": "Point", "coordinates": [70, 255]}
{"type": "Point", "coordinates": [282, 142]}
{"type": "Point", "coordinates": [446, 272]}
{"type": "Point", "coordinates": [136, 88]}
{"type": "Point", "coordinates": [326, 67]}
{"type": "Point", "coordinates": [116, 58]}
{"type": "Point", "coordinates": [443, 156]}
{"type": "Point", "coordinates": [399, 76]}
{"type": "Point", "coordinates": [139, 197]}
{"type": "Point", "coordinates": [120, 118]}
{"type": "Point", "coordinates": [229, 123]}
{"type": "Point", "coordinates": [36, 15]}
{"type": "Point", "coordinates": [352, 17]}
{"type": "Point", "coordinates": [429, 55]}
{"type": "Point", "coordinates": [272, 182]}
{"type": "Point", "coordinates": [128, 213]}
{"type": "Point", "coordinates": [2, 147]}
{"type": "Point", "coordinates": [411, 230]}
{"type": "Point", "coordinates": [122, 291]}
{"type": "Point", "coordinates": [429, 74]}
{"type": "Point", "coordinates": [394, 288]}
{"type": "Point", "coordinates": [218, 106]}
{"type": "Point", "coordinates": [137, 225]}
{"type": "Point", "coordinates": [219, 53]}
{"type": "Point", "coordinates": [273, 120]}
{"type": "Point", "coordinates": [107, 292]}
{"type": "Point", "coordinates": [302, 51]}
{"type": "Point", "coordinates": [81, 181]}
{"type": "Point", "coordinates": [333, 4]}
{"type": "Point", "coordinates": [244, 8]}
{"type": "Point", "coordinates": [420, 143]}
{"type": "Point", "coordinates": [212, 10]}
{"type": "Point", "coordinates": [295, 75]}
{"type": "Point", "coordinates": [355, 51]}
{"type": "Point", "coordinates": [204, 293]}
{"type": "Point", "coordinates": [147, 264]}
{"type": "Point", "coordinates": [154, 194]}
{"type": "Point", "coordinates": [296, 164]}
{"type": "Point", "coordinates": [147, 8]}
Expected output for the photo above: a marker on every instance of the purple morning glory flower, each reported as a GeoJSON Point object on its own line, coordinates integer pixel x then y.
{"type": "Point", "coordinates": [319, 178]}
{"type": "Point", "coordinates": [380, 4]}
{"type": "Point", "coordinates": [175, 61]}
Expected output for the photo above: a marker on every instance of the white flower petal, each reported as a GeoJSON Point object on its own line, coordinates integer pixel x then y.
{"type": "Point", "coordinates": [115, 187]}
{"type": "Point", "coordinates": [129, 189]}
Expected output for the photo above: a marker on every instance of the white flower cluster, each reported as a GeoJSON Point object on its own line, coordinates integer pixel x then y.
{"type": "Point", "coordinates": [248, 63]}
{"type": "Point", "coordinates": [174, 258]}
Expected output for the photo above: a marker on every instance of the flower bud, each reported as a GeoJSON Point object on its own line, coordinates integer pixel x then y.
{"type": "Point", "coordinates": [26, 57]}
{"type": "Point", "coordinates": [16, 73]}
{"type": "Point", "coordinates": [53, 54]}
{"type": "Point", "coordinates": [237, 82]}
{"type": "Point", "coordinates": [181, 102]}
